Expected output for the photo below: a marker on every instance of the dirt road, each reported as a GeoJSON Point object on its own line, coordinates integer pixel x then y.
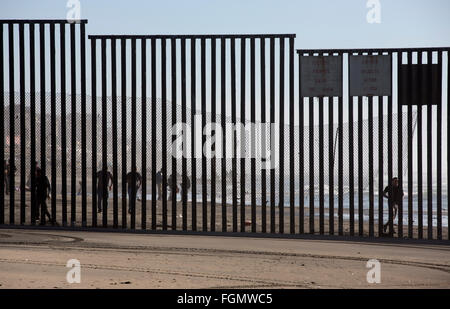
{"type": "Point", "coordinates": [37, 259]}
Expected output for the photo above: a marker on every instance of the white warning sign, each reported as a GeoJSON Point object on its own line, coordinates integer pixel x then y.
{"type": "Point", "coordinates": [370, 75]}
{"type": "Point", "coordinates": [321, 76]}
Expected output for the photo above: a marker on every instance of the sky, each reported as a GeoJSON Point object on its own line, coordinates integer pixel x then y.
{"type": "Point", "coordinates": [317, 24]}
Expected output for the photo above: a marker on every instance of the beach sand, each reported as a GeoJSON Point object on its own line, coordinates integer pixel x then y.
{"type": "Point", "coordinates": [38, 259]}
{"type": "Point", "coordinates": [200, 218]}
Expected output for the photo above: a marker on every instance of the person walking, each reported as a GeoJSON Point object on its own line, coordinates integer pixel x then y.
{"type": "Point", "coordinates": [134, 181]}
{"type": "Point", "coordinates": [394, 194]}
{"type": "Point", "coordinates": [104, 185]}
{"type": "Point", "coordinates": [41, 190]}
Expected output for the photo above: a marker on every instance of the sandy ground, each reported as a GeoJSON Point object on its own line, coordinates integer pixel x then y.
{"type": "Point", "coordinates": [37, 259]}
{"type": "Point", "coordinates": [201, 215]}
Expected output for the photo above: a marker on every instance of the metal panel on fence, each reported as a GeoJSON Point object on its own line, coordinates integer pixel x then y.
{"type": "Point", "coordinates": [371, 78]}
{"type": "Point", "coordinates": [195, 174]}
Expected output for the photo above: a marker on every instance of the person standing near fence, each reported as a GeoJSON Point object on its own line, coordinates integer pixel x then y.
{"type": "Point", "coordinates": [185, 184]}
{"type": "Point", "coordinates": [134, 181]}
{"type": "Point", "coordinates": [158, 181]}
{"type": "Point", "coordinates": [173, 189]}
{"type": "Point", "coordinates": [394, 194]}
{"type": "Point", "coordinates": [10, 170]}
{"type": "Point", "coordinates": [41, 191]}
{"type": "Point", "coordinates": [104, 185]}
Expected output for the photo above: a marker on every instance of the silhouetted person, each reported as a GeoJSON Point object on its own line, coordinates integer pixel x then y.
{"type": "Point", "coordinates": [104, 185]}
{"type": "Point", "coordinates": [394, 194]}
{"type": "Point", "coordinates": [134, 181]}
{"type": "Point", "coordinates": [173, 189]}
{"type": "Point", "coordinates": [10, 170]}
{"type": "Point", "coordinates": [41, 190]}
{"type": "Point", "coordinates": [185, 184]}
{"type": "Point", "coordinates": [158, 181]}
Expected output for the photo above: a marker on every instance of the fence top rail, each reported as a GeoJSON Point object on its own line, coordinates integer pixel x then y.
{"type": "Point", "coordinates": [43, 21]}
{"type": "Point", "coordinates": [372, 50]}
{"type": "Point", "coordinates": [193, 36]}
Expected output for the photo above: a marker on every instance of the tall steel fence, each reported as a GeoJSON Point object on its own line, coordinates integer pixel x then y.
{"type": "Point", "coordinates": [320, 168]}
{"type": "Point", "coordinates": [407, 82]}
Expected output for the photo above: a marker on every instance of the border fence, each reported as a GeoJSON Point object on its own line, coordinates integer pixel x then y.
{"type": "Point", "coordinates": [352, 121]}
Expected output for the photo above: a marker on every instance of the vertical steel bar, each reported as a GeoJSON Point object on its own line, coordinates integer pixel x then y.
{"type": "Point", "coordinates": [132, 197]}
{"type": "Point", "coordinates": [173, 51]}
{"type": "Point", "coordinates": [114, 133]}
{"type": "Point", "coordinates": [23, 154]}
{"type": "Point", "coordinates": [390, 150]}
{"type": "Point", "coordinates": [331, 160]}
{"type": "Point", "coordinates": [233, 120]}
{"type": "Point", "coordinates": [94, 130]}
{"type": "Point", "coordinates": [291, 136]}
{"type": "Point", "coordinates": [281, 150]}
{"type": "Point", "coordinates": [400, 149]}
{"type": "Point", "coordinates": [213, 120]}
{"type": "Point", "coordinates": [410, 146]}
{"type": "Point", "coordinates": [12, 109]}
{"type": "Point", "coordinates": [183, 120]}
{"type": "Point", "coordinates": [430, 145]}
{"type": "Point", "coordinates": [203, 137]}
{"type": "Point", "coordinates": [380, 166]}
{"type": "Point", "coordinates": [371, 171]}
{"type": "Point", "coordinates": [193, 137]}
{"type": "Point", "coordinates": [341, 162]}
{"type": "Point", "coordinates": [242, 133]}
{"type": "Point", "coordinates": [351, 165]}
{"type": "Point", "coordinates": [223, 93]}
{"type": "Point", "coordinates": [311, 164]}
{"type": "Point", "coordinates": [144, 134]}
{"type": "Point", "coordinates": [448, 133]}
{"type": "Point", "coordinates": [63, 132]}
{"type": "Point", "coordinates": [73, 148]}
{"type": "Point", "coordinates": [263, 134]}
{"type": "Point", "coordinates": [83, 126]}
{"type": "Point", "coordinates": [43, 108]}
{"type": "Point", "coordinates": [123, 72]}
{"type": "Point", "coordinates": [360, 169]}
{"type": "Point", "coordinates": [439, 152]}
{"type": "Point", "coordinates": [153, 120]}
{"type": "Point", "coordinates": [272, 134]}
{"type": "Point", "coordinates": [2, 130]}
{"type": "Point", "coordinates": [253, 134]}
{"type": "Point", "coordinates": [301, 140]}
{"type": "Point", "coordinates": [321, 168]}
{"type": "Point", "coordinates": [104, 135]}
{"type": "Point", "coordinates": [164, 130]}
{"type": "Point", "coordinates": [419, 150]}
{"type": "Point", "coordinates": [32, 118]}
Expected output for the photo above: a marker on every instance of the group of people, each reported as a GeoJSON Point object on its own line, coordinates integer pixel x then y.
{"type": "Point", "coordinates": [134, 183]}
{"type": "Point", "coordinates": [41, 190]}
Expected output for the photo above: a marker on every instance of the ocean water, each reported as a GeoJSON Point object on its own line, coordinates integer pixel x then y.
{"type": "Point", "coordinates": [346, 205]}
